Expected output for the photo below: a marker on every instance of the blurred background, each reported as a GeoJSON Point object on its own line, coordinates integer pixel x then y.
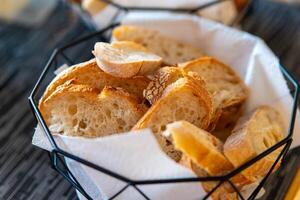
{"type": "Point", "coordinates": [31, 29]}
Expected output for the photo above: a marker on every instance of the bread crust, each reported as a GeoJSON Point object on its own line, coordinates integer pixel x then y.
{"type": "Point", "coordinates": [125, 59]}
{"type": "Point", "coordinates": [168, 75]}
{"type": "Point", "coordinates": [206, 63]}
{"type": "Point", "coordinates": [171, 50]}
{"type": "Point", "coordinates": [88, 73]}
{"type": "Point", "coordinates": [86, 97]}
{"type": "Point", "coordinates": [163, 77]}
{"type": "Point", "coordinates": [226, 87]}
{"type": "Point", "coordinates": [201, 147]}
{"type": "Point", "coordinates": [253, 134]}
{"type": "Point", "coordinates": [203, 169]}
{"type": "Point", "coordinates": [173, 94]}
{"type": "Point", "coordinates": [189, 84]}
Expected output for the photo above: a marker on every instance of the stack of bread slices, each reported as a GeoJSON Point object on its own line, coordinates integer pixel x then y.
{"type": "Point", "coordinates": [193, 104]}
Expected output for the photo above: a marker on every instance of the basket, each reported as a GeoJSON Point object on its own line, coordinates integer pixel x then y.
{"type": "Point", "coordinates": [58, 155]}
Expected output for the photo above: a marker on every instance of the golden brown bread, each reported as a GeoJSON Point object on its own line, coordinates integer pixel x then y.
{"type": "Point", "coordinates": [88, 73]}
{"type": "Point", "coordinates": [163, 77]}
{"type": "Point", "coordinates": [81, 110]}
{"type": "Point", "coordinates": [168, 75]}
{"type": "Point", "coordinates": [125, 59]}
{"type": "Point", "coordinates": [225, 86]}
{"type": "Point", "coordinates": [185, 99]}
{"type": "Point", "coordinates": [222, 82]}
{"type": "Point", "coordinates": [224, 191]}
{"type": "Point", "coordinates": [201, 147]}
{"type": "Point", "coordinates": [253, 134]}
{"type": "Point", "coordinates": [202, 153]}
{"type": "Point", "coordinates": [172, 51]}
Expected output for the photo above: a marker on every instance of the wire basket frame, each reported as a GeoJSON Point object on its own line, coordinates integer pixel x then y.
{"type": "Point", "coordinates": [58, 155]}
{"type": "Point", "coordinates": [192, 11]}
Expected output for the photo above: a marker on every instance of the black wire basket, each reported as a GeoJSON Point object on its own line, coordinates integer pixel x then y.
{"type": "Point", "coordinates": [58, 155]}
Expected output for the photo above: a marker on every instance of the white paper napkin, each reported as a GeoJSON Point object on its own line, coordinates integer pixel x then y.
{"type": "Point", "coordinates": [138, 156]}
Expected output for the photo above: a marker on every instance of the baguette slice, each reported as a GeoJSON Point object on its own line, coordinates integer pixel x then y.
{"type": "Point", "coordinates": [202, 153]}
{"type": "Point", "coordinates": [88, 73]}
{"type": "Point", "coordinates": [186, 99]}
{"type": "Point", "coordinates": [81, 110]}
{"type": "Point", "coordinates": [252, 135]}
{"type": "Point", "coordinates": [172, 51]}
{"type": "Point", "coordinates": [200, 146]}
{"type": "Point", "coordinates": [225, 191]}
{"type": "Point", "coordinates": [168, 75]}
{"type": "Point", "coordinates": [222, 82]}
{"type": "Point", "coordinates": [164, 76]}
{"type": "Point", "coordinates": [125, 59]}
{"type": "Point", "coordinates": [226, 87]}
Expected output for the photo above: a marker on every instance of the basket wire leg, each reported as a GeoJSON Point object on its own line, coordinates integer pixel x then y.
{"type": "Point", "coordinates": [120, 191]}
{"type": "Point", "coordinates": [141, 192]}
{"type": "Point", "coordinates": [69, 172]}
{"type": "Point", "coordinates": [236, 189]}
{"type": "Point", "coordinates": [213, 190]}
{"type": "Point", "coordinates": [69, 176]}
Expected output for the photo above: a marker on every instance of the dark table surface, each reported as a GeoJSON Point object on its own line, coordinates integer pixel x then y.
{"type": "Point", "coordinates": [25, 171]}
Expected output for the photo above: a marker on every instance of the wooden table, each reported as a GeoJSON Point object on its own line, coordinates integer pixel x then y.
{"type": "Point", "coordinates": [25, 171]}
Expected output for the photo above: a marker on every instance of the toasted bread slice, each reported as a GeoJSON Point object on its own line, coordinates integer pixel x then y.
{"type": "Point", "coordinates": [222, 82]}
{"type": "Point", "coordinates": [168, 75]}
{"type": "Point", "coordinates": [185, 99]}
{"type": "Point", "coordinates": [203, 154]}
{"type": "Point", "coordinates": [125, 59]}
{"type": "Point", "coordinates": [172, 51]}
{"type": "Point", "coordinates": [224, 191]}
{"type": "Point", "coordinates": [163, 77]}
{"type": "Point", "coordinates": [88, 73]}
{"type": "Point", "coordinates": [200, 146]}
{"type": "Point", "coordinates": [225, 86]}
{"type": "Point", "coordinates": [253, 134]}
{"type": "Point", "coordinates": [81, 110]}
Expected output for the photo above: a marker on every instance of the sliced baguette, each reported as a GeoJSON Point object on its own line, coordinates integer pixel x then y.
{"type": "Point", "coordinates": [172, 51]}
{"type": "Point", "coordinates": [253, 134]}
{"type": "Point", "coordinates": [168, 75]}
{"type": "Point", "coordinates": [200, 146]}
{"type": "Point", "coordinates": [88, 73]}
{"type": "Point", "coordinates": [81, 110]}
{"type": "Point", "coordinates": [224, 191]}
{"type": "Point", "coordinates": [185, 99]}
{"type": "Point", "coordinates": [125, 59]}
{"type": "Point", "coordinates": [202, 153]}
{"type": "Point", "coordinates": [163, 77]}
{"type": "Point", "coordinates": [222, 82]}
{"type": "Point", "coordinates": [225, 86]}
